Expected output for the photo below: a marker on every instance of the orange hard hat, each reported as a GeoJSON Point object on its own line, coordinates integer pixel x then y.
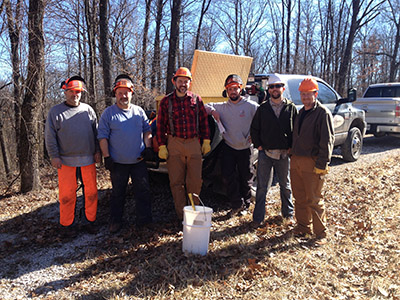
{"type": "Point", "coordinates": [123, 81]}
{"type": "Point", "coordinates": [183, 72]}
{"type": "Point", "coordinates": [75, 83]}
{"type": "Point", "coordinates": [309, 84]}
{"type": "Point", "coordinates": [233, 80]}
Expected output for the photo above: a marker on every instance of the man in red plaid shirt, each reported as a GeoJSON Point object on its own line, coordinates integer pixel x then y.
{"type": "Point", "coordinates": [183, 136]}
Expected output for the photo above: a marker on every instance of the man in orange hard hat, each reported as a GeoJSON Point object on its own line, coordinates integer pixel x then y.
{"type": "Point", "coordinates": [125, 141]}
{"type": "Point", "coordinates": [235, 115]}
{"type": "Point", "coordinates": [313, 139]}
{"type": "Point", "coordinates": [183, 136]}
{"type": "Point", "coordinates": [70, 136]}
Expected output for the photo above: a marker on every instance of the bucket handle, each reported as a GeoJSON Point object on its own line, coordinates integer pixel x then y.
{"type": "Point", "coordinates": [202, 203]}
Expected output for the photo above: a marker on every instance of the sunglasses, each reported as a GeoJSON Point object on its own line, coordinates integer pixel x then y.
{"type": "Point", "coordinates": [275, 86]}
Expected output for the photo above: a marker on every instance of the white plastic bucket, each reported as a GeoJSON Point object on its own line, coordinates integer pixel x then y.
{"type": "Point", "coordinates": [196, 229]}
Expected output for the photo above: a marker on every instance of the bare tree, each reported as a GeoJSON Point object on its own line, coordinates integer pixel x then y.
{"type": "Point", "coordinates": [204, 7]}
{"type": "Point", "coordinates": [14, 32]}
{"type": "Point", "coordinates": [29, 141]}
{"type": "Point", "coordinates": [156, 68]}
{"type": "Point", "coordinates": [173, 42]}
{"type": "Point", "coordinates": [369, 13]}
{"type": "Point", "coordinates": [105, 50]}
{"type": "Point", "coordinates": [90, 16]}
{"type": "Point", "coordinates": [144, 41]}
{"type": "Point", "coordinates": [395, 17]}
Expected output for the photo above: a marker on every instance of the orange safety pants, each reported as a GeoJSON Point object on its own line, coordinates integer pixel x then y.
{"type": "Point", "coordinates": [67, 185]}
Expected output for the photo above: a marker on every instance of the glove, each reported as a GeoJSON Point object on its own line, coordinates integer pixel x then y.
{"type": "Point", "coordinates": [163, 152]}
{"type": "Point", "coordinates": [108, 163]}
{"type": "Point", "coordinates": [147, 154]}
{"type": "Point", "coordinates": [205, 148]}
{"type": "Point", "coordinates": [321, 171]}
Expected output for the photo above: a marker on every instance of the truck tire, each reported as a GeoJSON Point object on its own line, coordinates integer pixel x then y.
{"type": "Point", "coordinates": [351, 149]}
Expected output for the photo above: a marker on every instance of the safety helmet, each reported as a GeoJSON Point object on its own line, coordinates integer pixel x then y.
{"type": "Point", "coordinates": [309, 84]}
{"type": "Point", "coordinates": [75, 83]}
{"type": "Point", "coordinates": [275, 78]}
{"type": "Point", "coordinates": [233, 79]}
{"type": "Point", "coordinates": [123, 81]}
{"type": "Point", "coordinates": [182, 72]}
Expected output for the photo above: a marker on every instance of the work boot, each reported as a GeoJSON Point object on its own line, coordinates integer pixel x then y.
{"type": "Point", "coordinates": [115, 227]}
{"type": "Point", "coordinates": [67, 232]}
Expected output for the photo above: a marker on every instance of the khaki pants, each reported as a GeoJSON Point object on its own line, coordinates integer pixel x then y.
{"type": "Point", "coordinates": [184, 169]}
{"type": "Point", "coordinates": [306, 187]}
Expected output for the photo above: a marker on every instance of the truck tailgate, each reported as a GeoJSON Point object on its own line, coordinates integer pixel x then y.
{"type": "Point", "coordinates": [380, 110]}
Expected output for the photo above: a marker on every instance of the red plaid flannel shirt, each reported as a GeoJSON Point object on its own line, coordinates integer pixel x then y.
{"type": "Point", "coordinates": [184, 118]}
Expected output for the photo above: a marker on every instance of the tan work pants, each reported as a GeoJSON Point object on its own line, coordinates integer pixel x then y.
{"type": "Point", "coordinates": [306, 187]}
{"type": "Point", "coordinates": [184, 169]}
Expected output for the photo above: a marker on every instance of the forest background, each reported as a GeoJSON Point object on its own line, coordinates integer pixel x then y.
{"type": "Point", "coordinates": [43, 42]}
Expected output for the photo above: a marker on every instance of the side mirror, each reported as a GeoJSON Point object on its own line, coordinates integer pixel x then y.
{"type": "Point", "coordinates": [352, 95]}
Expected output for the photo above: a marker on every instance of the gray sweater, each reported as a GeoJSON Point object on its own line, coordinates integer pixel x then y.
{"type": "Point", "coordinates": [70, 134]}
{"type": "Point", "coordinates": [236, 118]}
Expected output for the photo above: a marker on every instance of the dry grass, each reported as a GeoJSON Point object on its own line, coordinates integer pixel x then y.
{"type": "Point", "coordinates": [360, 261]}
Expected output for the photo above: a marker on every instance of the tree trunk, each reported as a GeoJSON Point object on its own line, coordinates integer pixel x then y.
{"type": "Point", "coordinates": [393, 59]}
{"type": "Point", "coordinates": [204, 7]}
{"type": "Point", "coordinates": [29, 141]}
{"type": "Point", "coordinates": [289, 13]}
{"type": "Point", "coordinates": [173, 42]}
{"type": "Point", "coordinates": [144, 41]}
{"type": "Point", "coordinates": [156, 68]}
{"type": "Point", "coordinates": [91, 22]}
{"type": "Point", "coordinates": [4, 151]}
{"type": "Point", "coordinates": [105, 50]}
{"type": "Point", "coordinates": [14, 30]}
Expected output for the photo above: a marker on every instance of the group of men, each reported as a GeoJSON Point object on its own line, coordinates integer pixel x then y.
{"type": "Point", "coordinates": [296, 145]}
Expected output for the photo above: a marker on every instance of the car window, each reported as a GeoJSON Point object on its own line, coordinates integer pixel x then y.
{"type": "Point", "coordinates": [325, 94]}
{"type": "Point", "coordinates": [292, 91]}
{"type": "Point", "coordinates": [383, 91]}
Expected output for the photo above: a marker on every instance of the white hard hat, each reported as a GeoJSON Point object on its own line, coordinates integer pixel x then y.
{"type": "Point", "coordinates": [275, 78]}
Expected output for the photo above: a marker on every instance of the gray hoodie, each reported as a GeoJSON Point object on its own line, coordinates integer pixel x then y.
{"type": "Point", "coordinates": [236, 118]}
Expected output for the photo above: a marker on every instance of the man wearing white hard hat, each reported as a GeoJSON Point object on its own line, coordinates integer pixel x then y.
{"type": "Point", "coordinates": [271, 133]}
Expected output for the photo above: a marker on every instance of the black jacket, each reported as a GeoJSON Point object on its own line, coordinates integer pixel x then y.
{"type": "Point", "coordinates": [270, 132]}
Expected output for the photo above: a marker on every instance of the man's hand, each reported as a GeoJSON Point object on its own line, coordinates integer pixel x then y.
{"type": "Point", "coordinates": [108, 163]}
{"type": "Point", "coordinates": [56, 162]}
{"type": "Point", "coordinates": [97, 157]}
{"type": "Point", "coordinates": [163, 152]}
{"type": "Point", "coordinates": [321, 171]}
{"type": "Point", "coordinates": [205, 148]}
{"type": "Point", "coordinates": [147, 154]}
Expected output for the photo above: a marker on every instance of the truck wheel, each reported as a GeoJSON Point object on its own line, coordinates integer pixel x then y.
{"type": "Point", "coordinates": [351, 149]}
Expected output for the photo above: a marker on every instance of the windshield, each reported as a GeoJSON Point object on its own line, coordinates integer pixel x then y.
{"type": "Point", "coordinates": [325, 94]}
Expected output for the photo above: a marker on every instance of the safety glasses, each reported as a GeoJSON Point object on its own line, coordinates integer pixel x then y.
{"type": "Point", "coordinates": [275, 86]}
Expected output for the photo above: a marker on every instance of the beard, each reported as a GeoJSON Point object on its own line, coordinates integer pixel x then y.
{"type": "Point", "coordinates": [234, 98]}
{"type": "Point", "coordinates": [276, 95]}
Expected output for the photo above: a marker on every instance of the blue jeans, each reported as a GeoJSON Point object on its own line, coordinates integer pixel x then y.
{"type": "Point", "coordinates": [141, 191]}
{"type": "Point", "coordinates": [265, 168]}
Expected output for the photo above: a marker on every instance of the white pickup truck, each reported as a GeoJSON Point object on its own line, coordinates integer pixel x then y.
{"type": "Point", "coordinates": [381, 103]}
